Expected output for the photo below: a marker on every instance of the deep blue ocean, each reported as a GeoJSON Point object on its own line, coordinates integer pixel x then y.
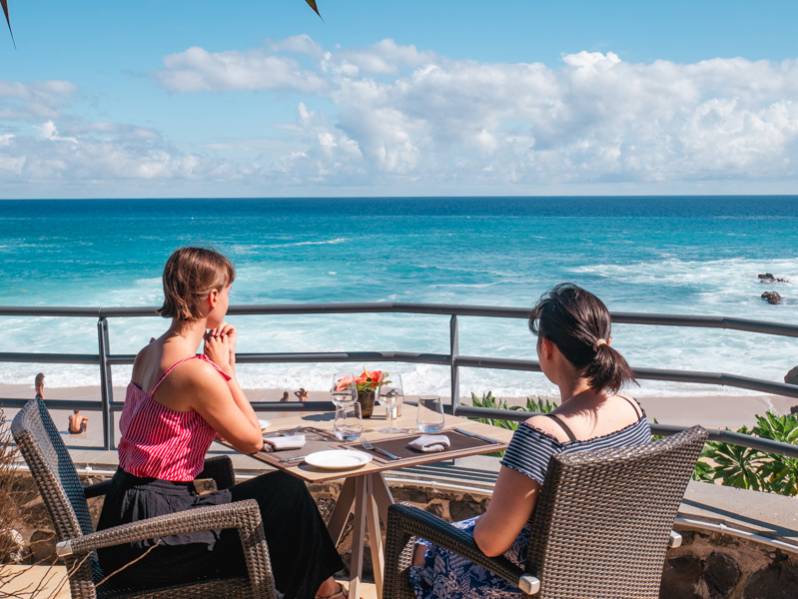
{"type": "Point", "coordinates": [686, 255]}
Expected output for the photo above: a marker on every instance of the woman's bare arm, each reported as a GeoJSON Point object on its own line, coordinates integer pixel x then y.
{"type": "Point", "coordinates": [212, 398]}
{"type": "Point", "coordinates": [510, 508]}
{"type": "Point", "coordinates": [220, 347]}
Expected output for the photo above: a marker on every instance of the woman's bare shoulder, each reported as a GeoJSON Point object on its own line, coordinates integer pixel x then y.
{"type": "Point", "coordinates": [546, 425]}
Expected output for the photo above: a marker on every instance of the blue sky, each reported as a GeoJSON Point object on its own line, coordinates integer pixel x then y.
{"type": "Point", "coordinates": [186, 98]}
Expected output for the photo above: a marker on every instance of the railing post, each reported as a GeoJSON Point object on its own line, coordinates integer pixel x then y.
{"type": "Point", "coordinates": [106, 385]}
{"type": "Point", "coordinates": [454, 349]}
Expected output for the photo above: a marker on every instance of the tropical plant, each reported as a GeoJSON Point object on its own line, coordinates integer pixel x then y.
{"type": "Point", "coordinates": [535, 404]}
{"type": "Point", "coordinates": [747, 468]}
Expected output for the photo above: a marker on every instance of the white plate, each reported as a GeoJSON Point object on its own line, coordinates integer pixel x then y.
{"type": "Point", "coordinates": [264, 424]}
{"type": "Point", "coordinates": [338, 459]}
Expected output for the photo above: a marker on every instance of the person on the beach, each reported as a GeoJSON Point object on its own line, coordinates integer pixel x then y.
{"type": "Point", "coordinates": [573, 347]}
{"type": "Point", "coordinates": [77, 423]}
{"type": "Point", "coordinates": [178, 401]}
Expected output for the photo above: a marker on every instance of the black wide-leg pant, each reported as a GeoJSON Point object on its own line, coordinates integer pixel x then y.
{"type": "Point", "coordinates": [300, 549]}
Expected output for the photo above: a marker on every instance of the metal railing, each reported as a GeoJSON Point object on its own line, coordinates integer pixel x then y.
{"type": "Point", "coordinates": [453, 359]}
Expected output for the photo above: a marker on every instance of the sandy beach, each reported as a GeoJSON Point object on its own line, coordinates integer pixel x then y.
{"type": "Point", "coordinates": [711, 411]}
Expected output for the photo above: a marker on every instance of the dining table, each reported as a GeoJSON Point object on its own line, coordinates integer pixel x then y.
{"type": "Point", "coordinates": [364, 492]}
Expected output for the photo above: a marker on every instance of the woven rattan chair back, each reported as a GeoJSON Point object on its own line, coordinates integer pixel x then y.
{"type": "Point", "coordinates": [52, 469]}
{"type": "Point", "coordinates": [602, 523]}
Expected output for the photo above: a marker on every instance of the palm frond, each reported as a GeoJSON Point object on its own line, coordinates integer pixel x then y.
{"type": "Point", "coordinates": [8, 20]}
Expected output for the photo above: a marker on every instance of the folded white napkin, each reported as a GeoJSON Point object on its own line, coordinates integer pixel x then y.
{"type": "Point", "coordinates": [284, 442]}
{"type": "Point", "coordinates": [428, 443]}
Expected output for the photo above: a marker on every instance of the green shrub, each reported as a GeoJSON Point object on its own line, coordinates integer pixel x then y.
{"type": "Point", "coordinates": [747, 468]}
{"type": "Point", "coordinates": [535, 403]}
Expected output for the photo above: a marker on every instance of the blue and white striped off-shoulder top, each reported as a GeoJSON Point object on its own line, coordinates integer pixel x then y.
{"type": "Point", "coordinates": [531, 449]}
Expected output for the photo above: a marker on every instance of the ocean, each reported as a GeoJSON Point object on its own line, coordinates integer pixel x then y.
{"type": "Point", "coordinates": [683, 255]}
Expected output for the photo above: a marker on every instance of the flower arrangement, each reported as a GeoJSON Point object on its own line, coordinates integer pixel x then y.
{"type": "Point", "coordinates": [367, 384]}
{"type": "Point", "coordinates": [368, 380]}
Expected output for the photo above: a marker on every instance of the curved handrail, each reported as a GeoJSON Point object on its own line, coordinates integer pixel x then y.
{"type": "Point", "coordinates": [453, 359]}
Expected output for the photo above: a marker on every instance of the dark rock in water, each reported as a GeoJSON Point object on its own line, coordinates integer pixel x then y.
{"type": "Point", "coordinates": [776, 581]}
{"type": "Point", "coordinates": [721, 574]}
{"type": "Point", "coordinates": [771, 297]}
{"type": "Point", "coordinates": [791, 378]}
{"type": "Point", "coordinates": [768, 277]}
{"type": "Point", "coordinates": [681, 577]}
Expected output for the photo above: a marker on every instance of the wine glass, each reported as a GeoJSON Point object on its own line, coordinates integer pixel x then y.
{"type": "Point", "coordinates": [392, 396]}
{"type": "Point", "coordinates": [344, 389]}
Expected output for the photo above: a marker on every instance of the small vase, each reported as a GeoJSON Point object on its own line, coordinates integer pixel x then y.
{"type": "Point", "coordinates": [366, 400]}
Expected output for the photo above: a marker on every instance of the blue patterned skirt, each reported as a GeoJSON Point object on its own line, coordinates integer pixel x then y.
{"type": "Point", "coordinates": [448, 575]}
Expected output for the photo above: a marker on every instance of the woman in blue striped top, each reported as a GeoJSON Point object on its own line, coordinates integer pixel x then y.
{"type": "Point", "coordinates": [573, 345]}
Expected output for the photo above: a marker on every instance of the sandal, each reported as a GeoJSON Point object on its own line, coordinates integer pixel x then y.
{"type": "Point", "coordinates": [340, 593]}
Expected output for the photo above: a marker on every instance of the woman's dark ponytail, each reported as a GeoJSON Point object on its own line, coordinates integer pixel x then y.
{"type": "Point", "coordinates": [578, 323]}
{"type": "Point", "coordinates": [608, 370]}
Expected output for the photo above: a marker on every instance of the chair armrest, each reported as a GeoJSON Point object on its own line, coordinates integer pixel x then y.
{"type": "Point", "coordinates": [405, 521]}
{"type": "Point", "coordinates": [243, 515]}
{"type": "Point", "coordinates": [97, 489]}
{"type": "Point", "coordinates": [220, 469]}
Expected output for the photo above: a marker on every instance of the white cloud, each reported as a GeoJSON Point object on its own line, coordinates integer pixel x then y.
{"type": "Point", "coordinates": [197, 69]}
{"type": "Point", "coordinates": [391, 118]}
{"type": "Point", "coordinates": [33, 100]}
{"type": "Point", "coordinates": [298, 44]}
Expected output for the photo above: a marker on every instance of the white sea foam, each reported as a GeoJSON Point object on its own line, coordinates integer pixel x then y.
{"type": "Point", "coordinates": [335, 241]}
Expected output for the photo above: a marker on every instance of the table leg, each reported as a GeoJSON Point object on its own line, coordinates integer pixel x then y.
{"type": "Point", "coordinates": [382, 494]}
{"type": "Point", "coordinates": [358, 535]}
{"type": "Point", "coordinates": [374, 534]}
{"type": "Point", "coordinates": [343, 507]}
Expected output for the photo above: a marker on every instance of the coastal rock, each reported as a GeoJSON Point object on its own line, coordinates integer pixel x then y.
{"type": "Point", "coordinates": [771, 297]}
{"type": "Point", "coordinates": [770, 278]}
{"type": "Point", "coordinates": [776, 581]}
{"type": "Point", "coordinates": [791, 378]}
{"type": "Point", "coordinates": [681, 578]}
{"type": "Point", "coordinates": [721, 574]}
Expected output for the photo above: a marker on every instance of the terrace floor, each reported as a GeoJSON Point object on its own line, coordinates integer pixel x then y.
{"type": "Point", "coordinates": [52, 584]}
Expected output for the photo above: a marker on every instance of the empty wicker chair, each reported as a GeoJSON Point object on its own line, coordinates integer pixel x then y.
{"type": "Point", "coordinates": [65, 498]}
{"type": "Point", "coordinates": [600, 529]}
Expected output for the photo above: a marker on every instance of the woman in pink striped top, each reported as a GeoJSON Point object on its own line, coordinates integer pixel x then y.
{"type": "Point", "coordinates": [177, 402]}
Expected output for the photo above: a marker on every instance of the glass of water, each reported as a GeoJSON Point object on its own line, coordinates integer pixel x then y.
{"type": "Point", "coordinates": [348, 424]}
{"type": "Point", "coordinates": [430, 414]}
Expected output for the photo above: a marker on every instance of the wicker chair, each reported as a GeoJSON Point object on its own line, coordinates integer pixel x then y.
{"type": "Point", "coordinates": [65, 498]}
{"type": "Point", "coordinates": [600, 529]}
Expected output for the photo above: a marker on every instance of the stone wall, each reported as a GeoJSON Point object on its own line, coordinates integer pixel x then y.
{"type": "Point", "coordinates": [714, 566]}
{"type": "Point", "coordinates": [706, 566]}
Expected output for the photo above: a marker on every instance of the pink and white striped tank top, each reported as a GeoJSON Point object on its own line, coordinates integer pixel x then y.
{"type": "Point", "coordinates": [158, 442]}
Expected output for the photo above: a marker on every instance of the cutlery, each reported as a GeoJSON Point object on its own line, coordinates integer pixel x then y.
{"type": "Point", "coordinates": [383, 452]}
{"type": "Point", "coordinates": [467, 433]}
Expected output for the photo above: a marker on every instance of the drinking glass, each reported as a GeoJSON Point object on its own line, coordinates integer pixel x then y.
{"type": "Point", "coordinates": [391, 396]}
{"type": "Point", "coordinates": [344, 390]}
{"type": "Point", "coordinates": [430, 414]}
{"type": "Point", "coordinates": [348, 424]}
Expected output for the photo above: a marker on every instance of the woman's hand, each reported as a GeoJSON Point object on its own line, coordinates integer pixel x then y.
{"type": "Point", "coordinates": [229, 332]}
{"type": "Point", "coordinates": [221, 349]}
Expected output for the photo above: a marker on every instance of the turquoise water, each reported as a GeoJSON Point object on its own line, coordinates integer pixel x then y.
{"type": "Point", "coordinates": [688, 255]}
